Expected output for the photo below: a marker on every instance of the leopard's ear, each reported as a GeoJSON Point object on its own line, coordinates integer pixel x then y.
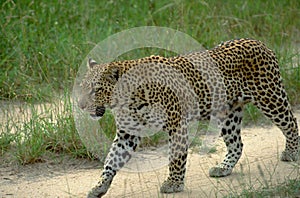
{"type": "Point", "coordinates": [91, 63]}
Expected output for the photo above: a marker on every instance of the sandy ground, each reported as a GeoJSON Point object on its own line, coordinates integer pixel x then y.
{"type": "Point", "coordinates": [259, 166]}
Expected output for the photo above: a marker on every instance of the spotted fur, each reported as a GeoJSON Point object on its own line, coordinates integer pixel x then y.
{"type": "Point", "coordinates": [237, 72]}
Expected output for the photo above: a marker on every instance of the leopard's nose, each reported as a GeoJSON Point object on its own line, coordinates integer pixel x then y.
{"type": "Point", "coordinates": [81, 104]}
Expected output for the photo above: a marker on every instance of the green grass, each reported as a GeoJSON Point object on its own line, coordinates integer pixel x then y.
{"type": "Point", "coordinates": [290, 188]}
{"type": "Point", "coordinates": [43, 44]}
{"type": "Point", "coordinates": [266, 183]}
{"type": "Point", "coordinates": [43, 130]}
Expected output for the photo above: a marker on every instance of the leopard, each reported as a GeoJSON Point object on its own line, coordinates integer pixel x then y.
{"type": "Point", "coordinates": [236, 72]}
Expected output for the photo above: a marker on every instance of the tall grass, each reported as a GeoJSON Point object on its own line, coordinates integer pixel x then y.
{"type": "Point", "coordinates": [41, 131]}
{"type": "Point", "coordinates": [43, 43]}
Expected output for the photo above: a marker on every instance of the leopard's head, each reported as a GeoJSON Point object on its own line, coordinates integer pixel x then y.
{"type": "Point", "coordinates": [97, 87]}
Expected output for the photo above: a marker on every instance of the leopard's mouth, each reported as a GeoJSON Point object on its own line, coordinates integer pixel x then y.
{"type": "Point", "coordinates": [99, 112]}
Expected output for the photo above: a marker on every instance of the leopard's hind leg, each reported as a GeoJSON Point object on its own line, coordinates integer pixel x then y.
{"type": "Point", "coordinates": [276, 107]}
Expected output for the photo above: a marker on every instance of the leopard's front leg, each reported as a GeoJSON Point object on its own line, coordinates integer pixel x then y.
{"type": "Point", "coordinates": [178, 150]}
{"type": "Point", "coordinates": [231, 133]}
{"type": "Point", "coordinates": [119, 154]}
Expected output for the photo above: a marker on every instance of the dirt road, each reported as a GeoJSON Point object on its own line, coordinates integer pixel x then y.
{"type": "Point", "coordinates": [259, 166]}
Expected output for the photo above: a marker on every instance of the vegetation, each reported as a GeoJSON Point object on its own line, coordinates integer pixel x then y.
{"type": "Point", "coordinates": [43, 44]}
{"type": "Point", "coordinates": [290, 188]}
{"type": "Point", "coordinates": [45, 130]}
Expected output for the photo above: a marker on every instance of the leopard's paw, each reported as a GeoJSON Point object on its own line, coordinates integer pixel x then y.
{"type": "Point", "coordinates": [171, 187]}
{"type": "Point", "coordinates": [219, 171]}
{"type": "Point", "coordinates": [99, 190]}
